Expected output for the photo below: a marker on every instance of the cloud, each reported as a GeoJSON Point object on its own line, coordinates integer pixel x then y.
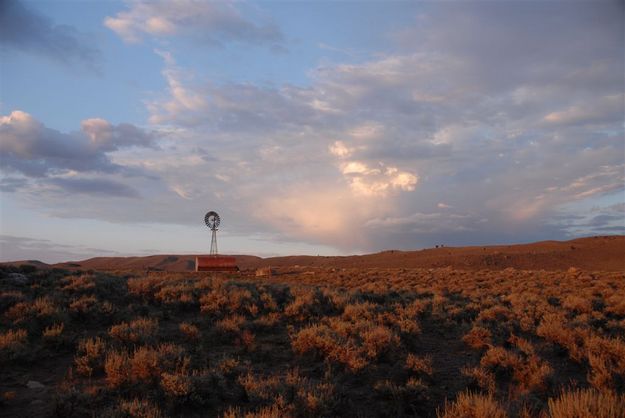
{"type": "Point", "coordinates": [377, 181]}
{"type": "Point", "coordinates": [458, 114]}
{"type": "Point", "coordinates": [606, 109]}
{"type": "Point", "coordinates": [446, 139]}
{"type": "Point", "coordinates": [428, 223]}
{"type": "Point", "coordinates": [30, 149]}
{"type": "Point", "coordinates": [599, 220]}
{"type": "Point", "coordinates": [210, 22]}
{"type": "Point", "coordinates": [23, 248]}
{"type": "Point", "coordinates": [22, 30]}
{"type": "Point", "coordinates": [182, 101]}
{"type": "Point", "coordinates": [94, 187]}
{"type": "Point", "coordinates": [12, 184]}
{"type": "Point", "coordinates": [106, 137]}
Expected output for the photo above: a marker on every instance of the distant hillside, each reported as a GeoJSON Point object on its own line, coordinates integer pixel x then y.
{"type": "Point", "coordinates": [596, 253]}
{"type": "Point", "coordinates": [36, 263]}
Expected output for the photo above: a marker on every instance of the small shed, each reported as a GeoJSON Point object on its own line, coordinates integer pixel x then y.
{"type": "Point", "coordinates": [215, 263]}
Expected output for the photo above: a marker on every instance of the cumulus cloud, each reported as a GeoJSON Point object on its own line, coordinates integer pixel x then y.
{"type": "Point", "coordinates": [377, 181]}
{"type": "Point", "coordinates": [211, 22]}
{"type": "Point", "coordinates": [29, 148]}
{"type": "Point", "coordinates": [22, 29]}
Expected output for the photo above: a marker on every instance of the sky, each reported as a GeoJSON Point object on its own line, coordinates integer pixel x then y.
{"type": "Point", "coordinates": [310, 127]}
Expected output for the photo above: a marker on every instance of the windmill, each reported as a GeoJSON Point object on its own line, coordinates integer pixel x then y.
{"type": "Point", "coordinates": [214, 261]}
{"type": "Point", "coordinates": [212, 220]}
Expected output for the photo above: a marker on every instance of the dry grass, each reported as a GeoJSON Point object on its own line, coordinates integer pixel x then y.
{"type": "Point", "coordinates": [13, 341]}
{"type": "Point", "coordinates": [190, 331]}
{"type": "Point", "coordinates": [587, 404]}
{"type": "Point", "coordinates": [53, 332]}
{"type": "Point", "coordinates": [473, 405]}
{"type": "Point", "coordinates": [140, 330]}
{"type": "Point", "coordinates": [139, 408]}
{"type": "Point", "coordinates": [91, 352]}
{"type": "Point", "coordinates": [348, 342]}
{"type": "Point", "coordinates": [117, 369]}
{"type": "Point", "coordinates": [478, 338]}
{"type": "Point", "coordinates": [421, 365]}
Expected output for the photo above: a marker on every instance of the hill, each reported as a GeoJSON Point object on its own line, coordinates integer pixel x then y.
{"type": "Point", "coordinates": [606, 253]}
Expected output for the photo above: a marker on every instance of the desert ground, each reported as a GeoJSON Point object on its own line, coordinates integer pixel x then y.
{"type": "Point", "coordinates": [533, 330]}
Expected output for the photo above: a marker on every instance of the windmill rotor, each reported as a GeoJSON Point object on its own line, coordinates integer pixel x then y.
{"type": "Point", "coordinates": [212, 220]}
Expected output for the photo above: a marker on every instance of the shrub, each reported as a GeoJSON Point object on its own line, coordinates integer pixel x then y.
{"type": "Point", "coordinates": [484, 378]}
{"type": "Point", "coordinates": [417, 308]}
{"type": "Point", "coordinates": [278, 409]}
{"type": "Point", "coordinates": [600, 375]}
{"type": "Point", "coordinates": [170, 356]}
{"type": "Point", "coordinates": [92, 353]}
{"type": "Point", "coordinates": [79, 284]}
{"type": "Point", "coordinates": [325, 342]}
{"type": "Point", "coordinates": [139, 408]}
{"type": "Point", "coordinates": [176, 384]}
{"type": "Point", "coordinates": [117, 370]}
{"type": "Point", "coordinates": [248, 340]}
{"type": "Point", "coordinates": [577, 304]}
{"type": "Point", "coordinates": [495, 314]}
{"type": "Point", "coordinates": [587, 403]}
{"type": "Point", "coordinates": [190, 331]}
{"type": "Point", "coordinates": [472, 405]}
{"type": "Point", "coordinates": [231, 324]}
{"type": "Point", "coordinates": [140, 330]}
{"type": "Point", "coordinates": [9, 298]}
{"type": "Point", "coordinates": [478, 338]}
{"type": "Point", "coordinates": [13, 341]}
{"type": "Point", "coordinates": [84, 304]}
{"type": "Point", "coordinates": [143, 286]}
{"type": "Point", "coordinates": [259, 388]}
{"type": "Point", "coordinates": [144, 365]}
{"type": "Point", "coordinates": [616, 304]}
{"type": "Point", "coordinates": [500, 359]}
{"type": "Point", "coordinates": [377, 340]}
{"type": "Point", "coordinates": [553, 329]}
{"type": "Point", "coordinates": [267, 321]}
{"type": "Point", "coordinates": [39, 308]}
{"type": "Point", "coordinates": [359, 311]}
{"type": "Point", "coordinates": [53, 332]}
{"type": "Point", "coordinates": [302, 307]}
{"type": "Point", "coordinates": [176, 294]}
{"type": "Point", "coordinates": [314, 338]}
{"type": "Point", "coordinates": [220, 301]}
{"type": "Point", "coordinates": [268, 302]}
{"type": "Point", "coordinates": [422, 365]}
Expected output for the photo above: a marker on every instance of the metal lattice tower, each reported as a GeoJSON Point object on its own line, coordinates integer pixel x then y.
{"type": "Point", "coordinates": [214, 243]}
{"type": "Point", "coordinates": [212, 220]}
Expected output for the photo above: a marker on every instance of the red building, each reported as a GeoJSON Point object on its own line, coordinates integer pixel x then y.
{"type": "Point", "coordinates": [215, 263]}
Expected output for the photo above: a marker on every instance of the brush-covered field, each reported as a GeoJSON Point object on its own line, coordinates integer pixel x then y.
{"type": "Point", "coordinates": [312, 342]}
